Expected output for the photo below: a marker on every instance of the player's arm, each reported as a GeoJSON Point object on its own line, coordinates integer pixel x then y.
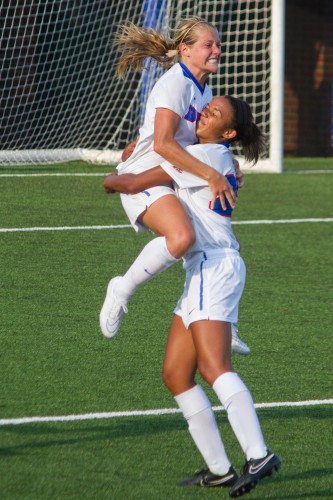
{"type": "Point", "coordinates": [239, 174]}
{"type": "Point", "coordinates": [135, 183]}
{"type": "Point", "coordinates": [129, 149]}
{"type": "Point", "coordinates": [166, 125]}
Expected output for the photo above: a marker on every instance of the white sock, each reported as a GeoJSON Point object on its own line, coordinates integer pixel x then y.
{"type": "Point", "coordinates": [153, 259]}
{"type": "Point", "coordinates": [202, 426]}
{"type": "Point", "coordinates": [237, 401]}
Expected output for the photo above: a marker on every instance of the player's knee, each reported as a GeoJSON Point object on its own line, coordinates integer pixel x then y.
{"type": "Point", "coordinates": [181, 241]}
{"type": "Point", "coordinates": [168, 378]}
{"type": "Point", "coordinates": [172, 378]}
{"type": "Point", "coordinates": [207, 371]}
{"type": "Point", "coordinates": [176, 381]}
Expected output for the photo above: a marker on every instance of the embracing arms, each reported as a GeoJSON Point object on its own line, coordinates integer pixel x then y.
{"type": "Point", "coordinates": [165, 127]}
{"type": "Point", "coordinates": [135, 183]}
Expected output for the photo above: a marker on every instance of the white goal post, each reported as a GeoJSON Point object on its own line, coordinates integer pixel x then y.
{"type": "Point", "coordinates": [60, 98]}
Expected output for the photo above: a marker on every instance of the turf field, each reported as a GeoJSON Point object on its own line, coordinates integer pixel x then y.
{"type": "Point", "coordinates": [62, 239]}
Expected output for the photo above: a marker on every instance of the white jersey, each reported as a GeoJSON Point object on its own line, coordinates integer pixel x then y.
{"type": "Point", "coordinates": [180, 92]}
{"type": "Point", "coordinates": [212, 225]}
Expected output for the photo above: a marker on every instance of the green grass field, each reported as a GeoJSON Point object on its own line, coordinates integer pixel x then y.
{"type": "Point", "coordinates": [55, 362]}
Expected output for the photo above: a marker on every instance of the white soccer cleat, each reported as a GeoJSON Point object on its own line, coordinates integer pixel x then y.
{"type": "Point", "coordinates": [112, 311]}
{"type": "Point", "coordinates": [237, 345]}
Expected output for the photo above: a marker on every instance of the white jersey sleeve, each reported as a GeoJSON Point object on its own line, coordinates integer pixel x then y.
{"type": "Point", "coordinates": [207, 154]}
{"type": "Point", "coordinates": [178, 91]}
{"type": "Point", "coordinates": [173, 93]}
{"type": "Point", "coordinates": [211, 223]}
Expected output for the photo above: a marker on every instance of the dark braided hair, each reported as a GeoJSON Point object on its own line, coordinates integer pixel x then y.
{"type": "Point", "coordinates": [248, 133]}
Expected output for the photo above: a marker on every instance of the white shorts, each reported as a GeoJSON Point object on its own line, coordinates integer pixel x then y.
{"type": "Point", "coordinates": [135, 204]}
{"type": "Point", "coordinates": [213, 287]}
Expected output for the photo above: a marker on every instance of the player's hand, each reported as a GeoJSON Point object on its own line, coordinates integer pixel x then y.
{"type": "Point", "coordinates": [221, 189]}
{"type": "Point", "coordinates": [129, 150]}
{"type": "Point", "coordinates": [107, 184]}
{"type": "Point", "coordinates": [239, 174]}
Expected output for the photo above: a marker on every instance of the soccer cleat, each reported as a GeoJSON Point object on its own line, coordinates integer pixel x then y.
{"type": "Point", "coordinates": [237, 345]}
{"type": "Point", "coordinates": [112, 311]}
{"type": "Point", "coordinates": [207, 479]}
{"type": "Point", "coordinates": [253, 471]}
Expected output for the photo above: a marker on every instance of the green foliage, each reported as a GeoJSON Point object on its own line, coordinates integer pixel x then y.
{"type": "Point", "coordinates": [54, 360]}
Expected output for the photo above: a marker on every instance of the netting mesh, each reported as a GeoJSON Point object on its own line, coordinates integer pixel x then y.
{"type": "Point", "coordinates": [59, 92]}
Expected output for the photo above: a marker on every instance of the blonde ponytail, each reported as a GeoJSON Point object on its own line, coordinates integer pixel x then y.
{"type": "Point", "coordinates": [136, 44]}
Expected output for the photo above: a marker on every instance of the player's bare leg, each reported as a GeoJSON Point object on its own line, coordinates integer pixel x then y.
{"type": "Point", "coordinates": [179, 368]}
{"type": "Point", "coordinates": [167, 218]}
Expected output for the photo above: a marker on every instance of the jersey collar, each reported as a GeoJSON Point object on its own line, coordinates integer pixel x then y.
{"type": "Point", "coordinates": [226, 144]}
{"type": "Point", "coordinates": [187, 73]}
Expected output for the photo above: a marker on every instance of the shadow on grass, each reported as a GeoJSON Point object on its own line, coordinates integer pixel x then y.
{"type": "Point", "coordinates": [315, 412]}
{"type": "Point", "coordinates": [305, 475]}
{"type": "Point", "coordinates": [310, 494]}
{"type": "Point", "coordinates": [57, 433]}
{"type": "Point", "coordinates": [104, 430]}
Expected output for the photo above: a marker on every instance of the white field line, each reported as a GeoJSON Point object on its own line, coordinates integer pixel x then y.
{"type": "Point", "coordinates": [58, 174]}
{"type": "Point", "coordinates": [125, 226]}
{"type": "Point", "coordinates": [147, 413]}
{"type": "Point", "coordinates": [282, 221]}
{"type": "Point", "coordinates": [103, 174]}
{"type": "Point", "coordinates": [60, 228]}
{"type": "Point", "coordinates": [309, 172]}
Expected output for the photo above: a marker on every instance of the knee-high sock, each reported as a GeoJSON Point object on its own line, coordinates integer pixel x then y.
{"type": "Point", "coordinates": [153, 259]}
{"type": "Point", "coordinates": [238, 402]}
{"type": "Point", "coordinates": [202, 426]}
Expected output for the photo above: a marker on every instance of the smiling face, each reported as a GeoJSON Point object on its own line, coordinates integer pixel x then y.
{"type": "Point", "coordinates": [216, 123]}
{"type": "Point", "coordinates": [203, 57]}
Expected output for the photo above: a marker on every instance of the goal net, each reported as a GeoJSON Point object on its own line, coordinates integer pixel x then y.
{"type": "Point", "coordinates": [60, 97]}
